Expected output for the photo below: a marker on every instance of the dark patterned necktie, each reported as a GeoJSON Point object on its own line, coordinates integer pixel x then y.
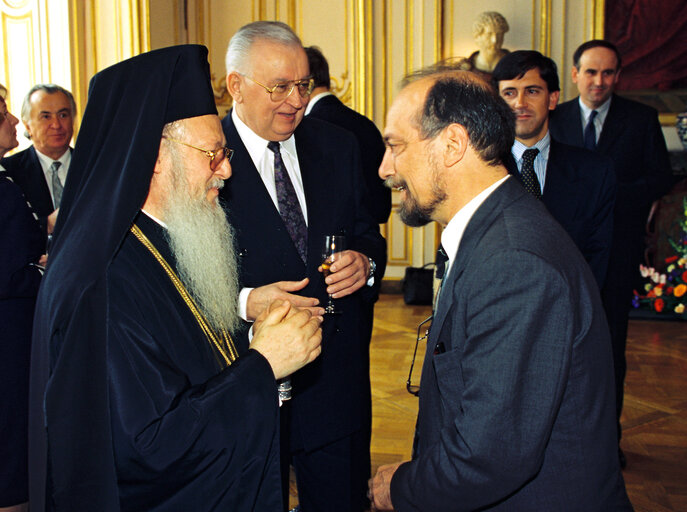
{"type": "Point", "coordinates": [289, 207]}
{"type": "Point", "coordinates": [590, 132]}
{"type": "Point", "coordinates": [529, 177]}
{"type": "Point", "coordinates": [440, 262]}
{"type": "Point", "coordinates": [440, 265]}
{"type": "Point", "coordinates": [56, 184]}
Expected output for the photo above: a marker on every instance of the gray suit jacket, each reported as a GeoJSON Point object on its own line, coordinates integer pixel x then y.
{"type": "Point", "coordinates": [516, 397]}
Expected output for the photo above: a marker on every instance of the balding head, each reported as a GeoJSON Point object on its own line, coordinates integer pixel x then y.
{"type": "Point", "coordinates": [464, 98]}
{"type": "Point", "coordinates": [446, 133]}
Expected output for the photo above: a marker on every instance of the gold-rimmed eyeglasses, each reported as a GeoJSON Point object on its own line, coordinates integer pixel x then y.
{"type": "Point", "coordinates": [283, 90]}
{"type": "Point", "coordinates": [422, 334]}
{"type": "Point", "coordinates": [216, 157]}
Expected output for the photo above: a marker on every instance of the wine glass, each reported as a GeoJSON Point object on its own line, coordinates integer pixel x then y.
{"type": "Point", "coordinates": [331, 251]}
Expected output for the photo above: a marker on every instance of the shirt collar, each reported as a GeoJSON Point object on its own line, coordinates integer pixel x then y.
{"type": "Point", "coordinates": [153, 217]}
{"type": "Point", "coordinates": [542, 145]}
{"type": "Point", "coordinates": [46, 161]}
{"type": "Point", "coordinates": [453, 232]}
{"type": "Point", "coordinates": [602, 111]}
{"type": "Point", "coordinates": [315, 99]}
{"type": "Point", "coordinates": [255, 144]}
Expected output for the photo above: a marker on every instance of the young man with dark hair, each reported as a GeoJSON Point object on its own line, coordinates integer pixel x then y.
{"type": "Point", "coordinates": [576, 186]}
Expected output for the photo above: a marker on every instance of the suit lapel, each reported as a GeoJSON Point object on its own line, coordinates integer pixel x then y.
{"type": "Point", "coordinates": [613, 128]}
{"type": "Point", "coordinates": [245, 177]}
{"type": "Point", "coordinates": [571, 124]}
{"type": "Point", "coordinates": [479, 224]}
{"type": "Point", "coordinates": [38, 180]}
{"type": "Point", "coordinates": [559, 180]}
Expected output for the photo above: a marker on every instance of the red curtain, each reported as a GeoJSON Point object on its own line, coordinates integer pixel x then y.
{"type": "Point", "coordinates": [652, 38]}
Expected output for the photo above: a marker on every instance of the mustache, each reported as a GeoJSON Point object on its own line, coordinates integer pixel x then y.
{"type": "Point", "coordinates": [393, 183]}
{"type": "Point", "coordinates": [217, 183]}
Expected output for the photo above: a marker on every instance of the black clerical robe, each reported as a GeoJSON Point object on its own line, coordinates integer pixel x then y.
{"type": "Point", "coordinates": [186, 433]}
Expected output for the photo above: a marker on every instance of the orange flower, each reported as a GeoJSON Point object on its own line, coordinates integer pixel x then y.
{"type": "Point", "coordinates": [680, 290]}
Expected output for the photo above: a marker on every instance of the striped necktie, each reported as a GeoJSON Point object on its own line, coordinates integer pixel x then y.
{"type": "Point", "coordinates": [57, 186]}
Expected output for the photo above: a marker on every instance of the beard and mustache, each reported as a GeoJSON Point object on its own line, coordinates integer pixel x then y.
{"type": "Point", "coordinates": [413, 213]}
{"type": "Point", "coordinates": [202, 242]}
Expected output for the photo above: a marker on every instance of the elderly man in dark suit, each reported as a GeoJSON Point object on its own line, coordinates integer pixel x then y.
{"type": "Point", "coordinates": [516, 394]}
{"type": "Point", "coordinates": [629, 134]}
{"type": "Point", "coordinates": [323, 104]}
{"type": "Point", "coordinates": [41, 170]}
{"type": "Point", "coordinates": [296, 180]}
{"type": "Point", "coordinates": [576, 186]}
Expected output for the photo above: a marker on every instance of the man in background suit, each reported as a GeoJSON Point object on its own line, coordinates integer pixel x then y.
{"type": "Point", "coordinates": [576, 186]}
{"type": "Point", "coordinates": [630, 135]}
{"type": "Point", "coordinates": [516, 395]}
{"type": "Point", "coordinates": [296, 180]}
{"type": "Point", "coordinates": [325, 105]}
{"type": "Point", "coordinates": [41, 170]}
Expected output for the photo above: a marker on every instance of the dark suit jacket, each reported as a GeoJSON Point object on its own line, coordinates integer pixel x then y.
{"type": "Point", "coordinates": [20, 245]}
{"type": "Point", "coordinates": [579, 193]}
{"type": "Point", "coordinates": [330, 396]}
{"type": "Point", "coordinates": [632, 138]}
{"type": "Point", "coordinates": [516, 405]}
{"type": "Point", "coordinates": [26, 171]}
{"type": "Point", "coordinates": [378, 199]}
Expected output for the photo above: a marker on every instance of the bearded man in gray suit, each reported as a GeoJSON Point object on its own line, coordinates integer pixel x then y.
{"type": "Point", "coordinates": [516, 396]}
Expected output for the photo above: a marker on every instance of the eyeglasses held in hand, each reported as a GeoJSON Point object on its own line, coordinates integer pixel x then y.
{"type": "Point", "coordinates": [422, 334]}
{"type": "Point", "coordinates": [216, 157]}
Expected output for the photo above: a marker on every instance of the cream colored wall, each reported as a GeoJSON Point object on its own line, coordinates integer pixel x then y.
{"type": "Point", "coordinates": [370, 45]}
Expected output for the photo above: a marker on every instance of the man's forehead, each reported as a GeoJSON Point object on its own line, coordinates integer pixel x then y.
{"type": "Point", "coordinates": [266, 55]}
{"type": "Point", "coordinates": [207, 127]}
{"type": "Point", "coordinates": [599, 56]}
{"type": "Point", "coordinates": [531, 78]}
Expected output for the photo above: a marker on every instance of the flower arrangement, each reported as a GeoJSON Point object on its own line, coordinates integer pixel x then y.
{"type": "Point", "coordinates": [667, 293]}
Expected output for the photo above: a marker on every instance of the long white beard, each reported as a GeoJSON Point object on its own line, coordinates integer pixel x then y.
{"type": "Point", "coordinates": [202, 242]}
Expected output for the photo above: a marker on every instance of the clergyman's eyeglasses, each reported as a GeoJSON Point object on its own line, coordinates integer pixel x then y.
{"type": "Point", "coordinates": [216, 157]}
{"type": "Point", "coordinates": [422, 334]}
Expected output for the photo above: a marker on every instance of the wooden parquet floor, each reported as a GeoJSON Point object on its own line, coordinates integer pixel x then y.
{"type": "Point", "coordinates": [654, 419]}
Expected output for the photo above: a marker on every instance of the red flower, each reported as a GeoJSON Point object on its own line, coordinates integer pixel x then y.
{"type": "Point", "coordinates": [658, 305]}
{"type": "Point", "coordinates": [671, 259]}
{"type": "Point", "coordinates": [684, 276]}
